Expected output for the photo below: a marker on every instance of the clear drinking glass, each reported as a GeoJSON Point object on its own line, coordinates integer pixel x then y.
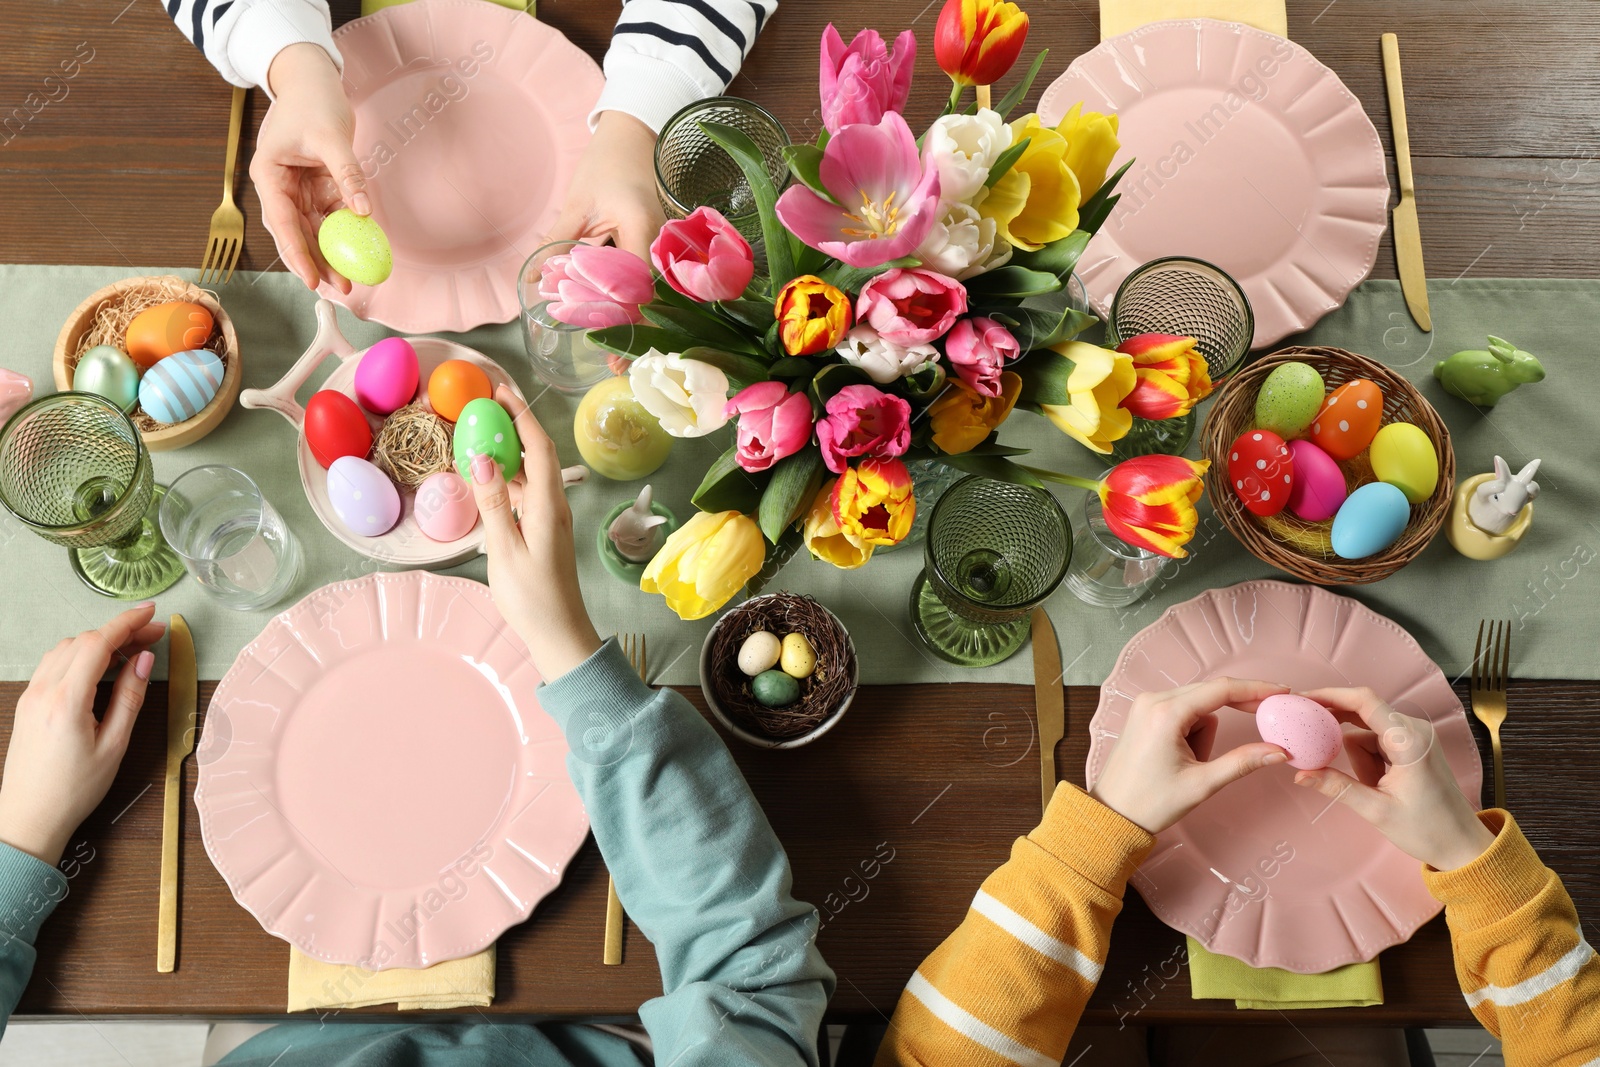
{"type": "Point", "coordinates": [1105, 569]}
{"type": "Point", "coordinates": [994, 552]}
{"type": "Point", "coordinates": [694, 171]}
{"type": "Point", "coordinates": [233, 542]}
{"type": "Point", "coordinates": [75, 471]}
{"type": "Point", "coordinates": [562, 355]}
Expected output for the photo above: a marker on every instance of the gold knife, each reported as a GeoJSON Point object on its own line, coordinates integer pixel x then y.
{"type": "Point", "coordinates": [182, 694]}
{"type": "Point", "coordinates": [1407, 234]}
{"type": "Point", "coordinates": [1049, 699]}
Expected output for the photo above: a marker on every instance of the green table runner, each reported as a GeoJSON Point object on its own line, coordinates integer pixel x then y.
{"type": "Point", "coordinates": [1547, 587]}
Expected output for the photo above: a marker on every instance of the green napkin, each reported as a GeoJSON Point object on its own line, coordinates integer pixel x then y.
{"type": "Point", "coordinates": [1216, 977]}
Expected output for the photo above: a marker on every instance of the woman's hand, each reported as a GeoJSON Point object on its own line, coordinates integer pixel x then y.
{"type": "Point", "coordinates": [304, 166]}
{"type": "Point", "coordinates": [1403, 783]}
{"type": "Point", "coordinates": [61, 761]}
{"type": "Point", "coordinates": [533, 565]}
{"type": "Point", "coordinates": [1158, 771]}
{"type": "Point", "coordinates": [613, 192]}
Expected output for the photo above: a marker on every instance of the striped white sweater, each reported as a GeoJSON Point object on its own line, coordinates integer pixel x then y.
{"type": "Point", "coordinates": [664, 54]}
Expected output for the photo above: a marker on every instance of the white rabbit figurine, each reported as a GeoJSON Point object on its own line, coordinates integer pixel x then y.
{"type": "Point", "coordinates": [637, 531]}
{"type": "Point", "coordinates": [1496, 503]}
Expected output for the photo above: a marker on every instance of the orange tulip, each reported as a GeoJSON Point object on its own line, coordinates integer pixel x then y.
{"type": "Point", "coordinates": [1149, 502]}
{"type": "Point", "coordinates": [872, 502]}
{"type": "Point", "coordinates": [1172, 376]}
{"type": "Point", "coordinates": [813, 316]}
{"type": "Point", "coordinates": [977, 41]}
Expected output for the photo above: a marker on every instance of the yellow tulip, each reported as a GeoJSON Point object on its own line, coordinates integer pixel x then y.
{"type": "Point", "coordinates": [1091, 143]}
{"type": "Point", "coordinates": [706, 561]}
{"type": "Point", "coordinates": [1037, 200]}
{"type": "Point", "coordinates": [824, 539]}
{"type": "Point", "coordinates": [1099, 382]}
{"type": "Point", "coordinates": [962, 417]}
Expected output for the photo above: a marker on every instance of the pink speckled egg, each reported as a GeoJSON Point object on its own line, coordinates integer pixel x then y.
{"type": "Point", "coordinates": [446, 509]}
{"type": "Point", "coordinates": [1301, 727]}
{"type": "Point", "coordinates": [1319, 486]}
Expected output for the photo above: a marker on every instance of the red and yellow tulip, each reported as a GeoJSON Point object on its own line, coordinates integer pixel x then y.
{"type": "Point", "coordinates": [977, 41]}
{"type": "Point", "coordinates": [1172, 376]}
{"type": "Point", "coordinates": [813, 316]}
{"type": "Point", "coordinates": [824, 539]}
{"type": "Point", "coordinates": [1149, 502]}
{"type": "Point", "coordinates": [872, 502]}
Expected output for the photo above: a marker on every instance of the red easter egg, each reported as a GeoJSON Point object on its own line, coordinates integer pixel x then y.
{"type": "Point", "coordinates": [1261, 471]}
{"type": "Point", "coordinates": [1349, 419]}
{"type": "Point", "coordinates": [335, 427]}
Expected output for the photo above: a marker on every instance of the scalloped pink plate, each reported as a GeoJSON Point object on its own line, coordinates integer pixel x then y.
{"type": "Point", "coordinates": [470, 119]}
{"type": "Point", "coordinates": [1249, 154]}
{"type": "Point", "coordinates": [1266, 871]}
{"type": "Point", "coordinates": [378, 784]}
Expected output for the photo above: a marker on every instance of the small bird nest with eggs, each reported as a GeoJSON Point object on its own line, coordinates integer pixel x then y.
{"type": "Point", "coordinates": [821, 693]}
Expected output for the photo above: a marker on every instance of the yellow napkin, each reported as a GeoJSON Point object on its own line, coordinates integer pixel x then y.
{"type": "Point", "coordinates": [1120, 16]}
{"type": "Point", "coordinates": [1216, 977]}
{"type": "Point", "coordinates": [464, 983]}
{"type": "Point", "coordinates": [369, 6]}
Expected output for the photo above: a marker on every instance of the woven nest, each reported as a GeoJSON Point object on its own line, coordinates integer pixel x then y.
{"type": "Point", "coordinates": [1302, 548]}
{"type": "Point", "coordinates": [110, 327]}
{"type": "Point", "coordinates": [820, 695]}
{"type": "Point", "coordinates": [413, 443]}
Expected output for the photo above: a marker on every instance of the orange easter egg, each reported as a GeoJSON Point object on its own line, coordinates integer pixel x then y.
{"type": "Point", "coordinates": [156, 333]}
{"type": "Point", "coordinates": [1349, 419]}
{"type": "Point", "coordinates": [453, 385]}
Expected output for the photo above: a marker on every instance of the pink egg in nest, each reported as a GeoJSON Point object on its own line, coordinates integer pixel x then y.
{"type": "Point", "coordinates": [1301, 727]}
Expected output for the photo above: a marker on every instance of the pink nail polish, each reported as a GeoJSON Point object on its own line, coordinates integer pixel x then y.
{"type": "Point", "coordinates": [144, 604]}
{"type": "Point", "coordinates": [143, 664]}
{"type": "Point", "coordinates": [482, 469]}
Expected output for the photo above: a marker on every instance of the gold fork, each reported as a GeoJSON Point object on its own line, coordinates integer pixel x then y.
{"type": "Point", "coordinates": [1488, 691]}
{"type": "Point", "coordinates": [633, 646]}
{"type": "Point", "coordinates": [227, 222]}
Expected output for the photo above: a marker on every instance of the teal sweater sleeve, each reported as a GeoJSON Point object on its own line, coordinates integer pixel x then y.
{"type": "Point", "coordinates": [698, 869]}
{"type": "Point", "coordinates": [30, 889]}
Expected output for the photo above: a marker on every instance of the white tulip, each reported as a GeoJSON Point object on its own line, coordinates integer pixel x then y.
{"type": "Point", "coordinates": [884, 361]}
{"type": "Point", "coordinates": [963, 148]}
{"type": "Point", "coordinates": [686, 396]}
{"type": "Point", "coordinates": [962, 244]}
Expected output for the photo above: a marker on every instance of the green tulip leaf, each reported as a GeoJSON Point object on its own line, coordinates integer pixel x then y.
{"type": "Point", "coordinates": [729, 487]}
{"type": "Point", "coordinates": [703, 327]}
{"type": "Point", "coordinates": [756, 314]}
{"type": "Point", "coordinates": [1044, 378]}
{"type": "Point", "coordinates": [1094, 212]}
{"type": "Point", "coordinates": [997, 467]}
{"type": "Point", "coordinates": [796, 370]}
{"type": "Point", "coordinates": [1012, 282]}
{"type": "Point", "coordinates": [632, 340]}
{"type": "Point", "coordinates": [834, 377]}
{"type": "Point", "coordinates": [805, 162]}
{"type": "Point", "coordinates": [1058, 257]}
{"type": "Point", "coordinates": [737, 143]}
{"type": "Point", "coordinates": [1005, 161]}
{"type": "Point", "coordinates": [1020, 90]}
{"type": "Point", "coordinates": [794, 485]}
{"type": "Point", "coordinates": [851, 279]}
{"type": "Point", "coordinates": [741, 370]}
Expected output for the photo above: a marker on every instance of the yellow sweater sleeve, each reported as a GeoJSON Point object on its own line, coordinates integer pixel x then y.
{"type": "Point", "coordinates": [1008, 986]}
{"type": "Point", "coordinates": [1527, 972]}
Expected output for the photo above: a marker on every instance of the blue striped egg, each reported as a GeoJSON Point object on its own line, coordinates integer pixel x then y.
{"type": "Point", "coordinates": [177, 387]}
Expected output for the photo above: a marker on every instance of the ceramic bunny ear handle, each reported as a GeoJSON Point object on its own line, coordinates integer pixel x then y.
{"type": "Point", "coordinates": [1484, 376]}
{"type": "Point", "coordinates": [1491, 512]}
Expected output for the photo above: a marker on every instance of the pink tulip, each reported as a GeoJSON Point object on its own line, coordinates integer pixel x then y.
{"type": "Point", "coordinates": [863, 421]}
{"type": "Point", "coordinates": [861, 82]}
{"type": "Point", "coordinates": [889, 199]}
{"type": "Point", "coordinates": [773, 423]}
{"type": "Point", "coordinates": [594, 286]}
{"type": "Point", "coordinates": [911, 307]}
{"type": "Point", "coordinates": [978, 349]}
{"type": "Point", "coordinates": [704, 257]}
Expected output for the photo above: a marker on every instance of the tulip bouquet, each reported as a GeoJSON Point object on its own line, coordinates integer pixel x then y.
{"type": "Point", "coordinates": [915, 294]}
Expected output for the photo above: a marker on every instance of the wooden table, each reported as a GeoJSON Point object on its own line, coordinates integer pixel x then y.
{"type": "Point", "coordinates": [119, 165]}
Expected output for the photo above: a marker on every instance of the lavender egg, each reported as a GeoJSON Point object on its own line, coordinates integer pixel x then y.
{"type": "Point", "coordinates": [363, 497]}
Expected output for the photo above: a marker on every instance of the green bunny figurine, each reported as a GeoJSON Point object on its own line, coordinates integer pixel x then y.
{"type": "Point", "coordinates": [1483, 377]}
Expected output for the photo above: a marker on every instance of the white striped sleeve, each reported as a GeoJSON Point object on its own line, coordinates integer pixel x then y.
{"type": "Point", "coordinates": [242, 37]}
{"type": "Point", "coordinates": [666, 54]}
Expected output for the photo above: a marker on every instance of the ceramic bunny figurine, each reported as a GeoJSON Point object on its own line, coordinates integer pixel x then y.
{"type": "Point", "coordinates": [637, 531]}
{"type": "Point", "coordinates": [1496, 503]}
{"type": "Point", "coordinates": [1483, 376]}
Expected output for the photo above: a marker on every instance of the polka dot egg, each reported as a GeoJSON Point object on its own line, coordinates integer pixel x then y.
{"type": "Point", "coordinates": [1349, 419]}
{"type": "Point", "coordinates": [1261, 471]}
{"type": "Point", "coordinates": [364, 499]}
{"type": "Point", "coordinates": [484, 429]}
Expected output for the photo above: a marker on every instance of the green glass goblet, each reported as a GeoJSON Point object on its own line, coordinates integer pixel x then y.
{"type": "Point", "coordinates": [74, 470]}
{"type": "Point", "coordinates": [994, 552]}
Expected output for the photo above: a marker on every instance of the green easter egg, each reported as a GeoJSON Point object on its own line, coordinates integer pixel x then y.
{"type": "Point", "coordinates": [1289, 399]}
{"type": "Point", "coordinates": [484, 429]}
{"type": "Point", "coordinates": [355, 246]}
{"type": "Point", "coordinates": [108, 372]}
{"type": "Point", "coordinates": [775, 689]}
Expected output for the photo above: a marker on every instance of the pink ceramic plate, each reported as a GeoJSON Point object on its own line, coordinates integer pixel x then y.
{"type": "Point", "coordinates": [1250, 155]}
{"type": "Point", "coordinates": [378, 784]}
{"type": "Point", "coordinates": [1267, 871]}
{"type": "Point", "coordinates": [470, 118]}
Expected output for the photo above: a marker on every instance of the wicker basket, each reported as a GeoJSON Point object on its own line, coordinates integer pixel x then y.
{"type": "Point", "coordinates": [1302, 548]}
{"type": "Point", "coordinates": [224, 341]}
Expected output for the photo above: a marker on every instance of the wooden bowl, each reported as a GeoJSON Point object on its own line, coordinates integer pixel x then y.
{"type": "Point", "coordinates": [224, 341]}
{"type": "Point", "coordinates": [1302, 548]}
